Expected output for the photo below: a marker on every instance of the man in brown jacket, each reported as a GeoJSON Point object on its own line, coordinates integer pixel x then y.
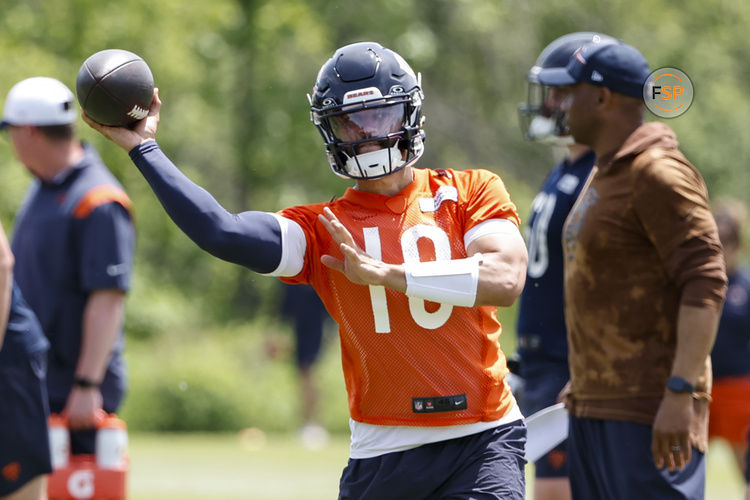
{"type": "Point", "coordinates": [644, 285]}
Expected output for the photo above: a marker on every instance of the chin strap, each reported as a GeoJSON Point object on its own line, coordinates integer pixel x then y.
{"type": "Point", "coordinates": [447, 282]}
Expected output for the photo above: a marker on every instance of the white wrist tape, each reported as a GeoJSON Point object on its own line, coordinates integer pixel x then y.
{"type": "Point", "coordinates": [444, 281]}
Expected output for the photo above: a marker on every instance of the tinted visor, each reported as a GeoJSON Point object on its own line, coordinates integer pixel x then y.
{"type": "Point", "coordinates": [380, 124]}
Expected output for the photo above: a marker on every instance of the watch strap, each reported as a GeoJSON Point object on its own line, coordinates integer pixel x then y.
{"type": "Point", "coordinates": [85, 383]}
{"type": "Point", "coordinates": [679, 385]}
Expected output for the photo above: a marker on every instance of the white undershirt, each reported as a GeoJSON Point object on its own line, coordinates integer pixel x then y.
{"type": "Point", "coordinates": [370, 440]}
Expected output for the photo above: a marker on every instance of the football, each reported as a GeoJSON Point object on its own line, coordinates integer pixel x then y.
{"type": "Point", "coordinates": [115, 87]}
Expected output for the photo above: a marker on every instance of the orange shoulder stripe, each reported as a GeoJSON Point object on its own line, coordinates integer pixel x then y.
{"type": "Point", "coordinates": [98, 196]}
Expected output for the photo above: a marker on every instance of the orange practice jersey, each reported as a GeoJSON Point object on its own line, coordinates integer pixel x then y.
{"type": "Point", "coordinates": [407, 361]}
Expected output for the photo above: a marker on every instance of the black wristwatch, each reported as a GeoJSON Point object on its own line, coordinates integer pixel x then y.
{"type": "Point", "coordinates": [680, 386]}
{"type": "Point", "coordinates": [84, 383]}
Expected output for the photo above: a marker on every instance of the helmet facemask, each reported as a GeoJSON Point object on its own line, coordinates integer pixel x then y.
{"type": "Point", "coordinates": [541, 116]}
{"type": "Point", "coordinates": [367, 139]}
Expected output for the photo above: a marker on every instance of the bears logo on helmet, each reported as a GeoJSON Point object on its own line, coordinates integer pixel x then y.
{"type": "Point", "coordinates": [366, 103]}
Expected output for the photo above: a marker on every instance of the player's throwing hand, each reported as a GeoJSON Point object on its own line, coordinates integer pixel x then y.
{"type": "Point", "coordinates": [128, 138]}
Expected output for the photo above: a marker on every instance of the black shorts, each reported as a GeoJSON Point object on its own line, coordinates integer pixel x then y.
{"type": "Point", "coordinates": [488, 465]}
{"type": "Point", "coordinates": [24, 440]}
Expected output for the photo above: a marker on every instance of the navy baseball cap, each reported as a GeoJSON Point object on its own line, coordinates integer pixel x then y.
{"type": "Point", "coordinates": [615, 65]}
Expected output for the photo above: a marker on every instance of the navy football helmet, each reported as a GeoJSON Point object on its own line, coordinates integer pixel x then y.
{"type": "Point", "coordinates": [541, 117]}
{"type": "Point", "coordinates": [367, 105]}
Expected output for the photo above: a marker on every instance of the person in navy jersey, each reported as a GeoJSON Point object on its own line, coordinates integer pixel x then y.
{"type": "Point", "coordinates": [542, 352]}
{"type": "Point", "coordinates": [730, 409]}
{"type": "Point", "coordinates": [73, 242]}
{"type": "Point", "coordinates": [304, 310]}
{"type": "Point", "coordinates": [24, 443]}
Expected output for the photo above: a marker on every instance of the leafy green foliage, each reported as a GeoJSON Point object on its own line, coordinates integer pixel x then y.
{"type": "Point", "coordinates": [208, 379]}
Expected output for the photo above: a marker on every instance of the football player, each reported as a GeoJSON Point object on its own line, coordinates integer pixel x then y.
{"type": "Point", "coordinates": [411, 263]}
{"type": "Point", "coordinates": [542, 337]}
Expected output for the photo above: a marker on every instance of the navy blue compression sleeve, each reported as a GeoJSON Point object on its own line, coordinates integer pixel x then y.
{"type": "Point", "coordinates": [251, 239]}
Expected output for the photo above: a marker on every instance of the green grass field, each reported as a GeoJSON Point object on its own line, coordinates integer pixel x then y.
{"type": "Point", "coordinates": [226, 467]}
{"type": "Point", "coordinates": [255, 466]}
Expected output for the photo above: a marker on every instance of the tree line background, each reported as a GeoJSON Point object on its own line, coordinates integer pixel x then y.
{"type": "Point", "coordinates": [233, 75]}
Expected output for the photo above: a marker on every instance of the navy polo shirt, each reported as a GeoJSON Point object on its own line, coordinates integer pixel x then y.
{"type": "Point", "coordinates": [542, 333]}
{"type": "Point", "coordinates": [23, 335]}
{"type": "Point", "coordinates": [72, 236]}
